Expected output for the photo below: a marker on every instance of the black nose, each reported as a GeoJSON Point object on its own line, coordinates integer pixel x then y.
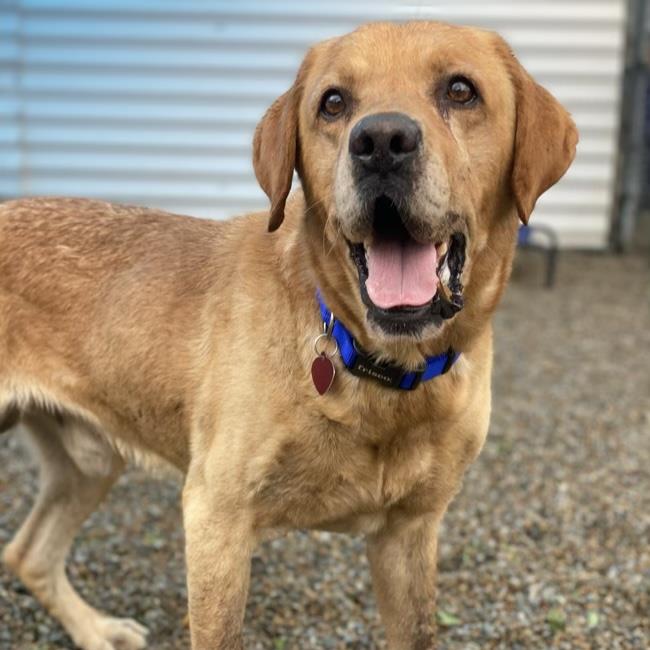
{"type": "Point", "coordinates": [384, 141]}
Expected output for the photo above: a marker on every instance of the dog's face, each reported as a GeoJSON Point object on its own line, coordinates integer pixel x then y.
{"type": "Point", "coordinates": [411, 141]}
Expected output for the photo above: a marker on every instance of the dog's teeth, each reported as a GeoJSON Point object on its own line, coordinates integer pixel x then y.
{"type": "Point", "coordinates": [441, 249]}
{"type": "Point", "coordinates": [444, 273]}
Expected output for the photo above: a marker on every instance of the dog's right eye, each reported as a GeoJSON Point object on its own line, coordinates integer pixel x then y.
{"type": "Point", "coordinates": [332, 104]}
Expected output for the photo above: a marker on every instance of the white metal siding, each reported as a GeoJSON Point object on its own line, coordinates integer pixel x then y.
{"type": "Point", "coordinates": [155, 102]}
{"type": "Point", "coordinates": [10, 160]}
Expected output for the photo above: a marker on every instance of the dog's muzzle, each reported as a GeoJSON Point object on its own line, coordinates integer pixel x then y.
{"type": "Point", "coordinates": [409, 265]}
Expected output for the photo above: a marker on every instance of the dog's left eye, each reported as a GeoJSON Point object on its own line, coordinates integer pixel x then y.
{"type": "Point", "coordinates": [461, 90]}
{"type": "Point", "coordinates": [332, 104]}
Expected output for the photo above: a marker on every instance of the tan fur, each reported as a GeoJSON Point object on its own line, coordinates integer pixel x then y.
{"type": "Point", "coordinates": [127, 332]}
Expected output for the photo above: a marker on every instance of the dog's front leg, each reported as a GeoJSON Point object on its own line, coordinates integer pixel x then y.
{"type": "Point", "coordinates": [403, 565]}
{"type": "Point", "coordinates": [218, 546]}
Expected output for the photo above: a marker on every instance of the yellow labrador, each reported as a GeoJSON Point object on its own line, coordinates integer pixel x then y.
{"type": "Point", "coordinates": [128, 333]}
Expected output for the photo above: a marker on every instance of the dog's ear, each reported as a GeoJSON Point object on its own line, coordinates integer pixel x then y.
{"type": "Point", "coordinates": [274, 152]}
{"type": "Point", "coordinates": [545, 140]}
{"type": "Point", "coordinates": [275, 147]}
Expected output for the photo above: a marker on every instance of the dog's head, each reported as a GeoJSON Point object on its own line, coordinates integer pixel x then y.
{"type": "Point", "coordinates": [416, 144]}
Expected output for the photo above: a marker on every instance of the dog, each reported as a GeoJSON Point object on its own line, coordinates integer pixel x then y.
{"type": "Point", "coordinates": [324, 365]}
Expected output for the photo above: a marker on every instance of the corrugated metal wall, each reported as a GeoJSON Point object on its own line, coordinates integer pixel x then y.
{"type": "Point", "coordinates": [155, 102]}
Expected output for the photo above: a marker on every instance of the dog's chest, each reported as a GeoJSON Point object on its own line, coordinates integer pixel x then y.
{"type": "Point", "coordinates": [339, 480]}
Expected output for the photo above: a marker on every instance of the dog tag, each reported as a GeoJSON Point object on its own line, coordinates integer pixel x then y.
{"type": "Point", "coordinates": [322, 373]}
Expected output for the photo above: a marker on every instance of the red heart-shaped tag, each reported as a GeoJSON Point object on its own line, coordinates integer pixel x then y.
{"type": "Point", "coordinates": [322, 372]}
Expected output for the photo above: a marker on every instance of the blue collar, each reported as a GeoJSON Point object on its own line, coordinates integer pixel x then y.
{"type": "Point", "coordinates": [361, 363]}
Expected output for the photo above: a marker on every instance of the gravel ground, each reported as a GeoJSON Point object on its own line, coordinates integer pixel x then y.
{"type": "Point", "coordinates": [547, 546]}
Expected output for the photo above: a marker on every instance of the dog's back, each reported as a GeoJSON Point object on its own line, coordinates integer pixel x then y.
{"type": "Point", "coordinates": [81, 285]}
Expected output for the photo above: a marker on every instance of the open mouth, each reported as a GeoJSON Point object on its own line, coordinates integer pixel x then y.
{"type": "Point", "coordinates": [404, 283]}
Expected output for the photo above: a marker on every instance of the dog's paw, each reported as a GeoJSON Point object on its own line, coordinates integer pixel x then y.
{"type": "Point", "coordinates": [115, 634]}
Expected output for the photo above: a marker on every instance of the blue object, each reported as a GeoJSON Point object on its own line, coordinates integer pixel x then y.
{"type": "Point", "coordinates": [362, 364]}
{"type": "Point", "coordinates": [523, 235]}
{"type": "Point", "coordinates": [531, 237]}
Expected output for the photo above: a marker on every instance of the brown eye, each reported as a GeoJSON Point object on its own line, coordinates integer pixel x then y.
{"type": "Point", "coordinates": [461, 91]}
{"type": "Point", "coordinates": [332, 105]}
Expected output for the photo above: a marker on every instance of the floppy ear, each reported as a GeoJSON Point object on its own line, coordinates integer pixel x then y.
{"type": "Point", "coordinates": [545, 141]}
{"type": "Point", "coordinates": [275, 149]}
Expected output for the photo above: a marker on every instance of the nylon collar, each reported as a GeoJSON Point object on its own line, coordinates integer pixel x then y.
{"type": "Point", "coordinates": [363, 364]}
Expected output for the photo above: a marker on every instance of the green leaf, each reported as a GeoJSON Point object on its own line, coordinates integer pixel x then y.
{"type": "Point", "coordinates": [447, 620]}
{"type": "Point", "coordinates": [556, 618]}
{"type": "Point", "coordinates": [279, 644]}
{"type": "Point", "coordinates": [592, 620]}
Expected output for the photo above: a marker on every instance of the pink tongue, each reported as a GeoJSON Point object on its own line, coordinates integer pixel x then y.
{"type": "Point", "coordinates": [401, 273]}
